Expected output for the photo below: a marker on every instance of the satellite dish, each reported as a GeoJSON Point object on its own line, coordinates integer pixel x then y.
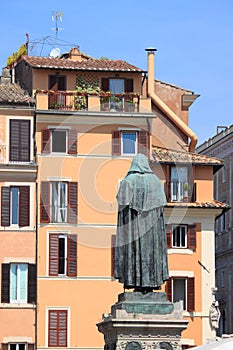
{"type": "Point", "coordinates": [55, 52]}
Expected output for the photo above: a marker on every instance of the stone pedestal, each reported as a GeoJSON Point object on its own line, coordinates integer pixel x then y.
{"type": "Point", "coordinates": [143, 322]}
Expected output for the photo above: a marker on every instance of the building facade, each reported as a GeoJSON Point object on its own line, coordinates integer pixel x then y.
{"type": "Point", "coordinates": [220, 146]}
{"type": "Point", "coordinates": [18, 173]}
{"type": "Point", "coordinates": [91, 117]}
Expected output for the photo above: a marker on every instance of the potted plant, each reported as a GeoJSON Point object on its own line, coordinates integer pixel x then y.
{"type": "Point", "coordinates": [186, 188]}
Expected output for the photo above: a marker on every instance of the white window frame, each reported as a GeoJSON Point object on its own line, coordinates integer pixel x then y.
{"type": "Point", "coordinates": [185, 302]}
{"type": "Point", "coordinates": [57, 209]}
{"type": "Point", "coordinates": [135, 143]}
{"type": "Point", "coordinates": [174, 228]}
{"type": "Point", "coordinates": [65, 255]}
{"type": "Point", "coordinates": [18, 298]}
{"type": "Point", "coordinates": [66, 145]}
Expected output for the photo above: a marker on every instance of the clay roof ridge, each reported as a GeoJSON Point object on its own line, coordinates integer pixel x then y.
{"type": "Point", "coordinates": [174, 86]}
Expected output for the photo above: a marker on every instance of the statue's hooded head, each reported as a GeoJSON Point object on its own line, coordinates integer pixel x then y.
{"type": "Point", "coordinates": [140, 165]}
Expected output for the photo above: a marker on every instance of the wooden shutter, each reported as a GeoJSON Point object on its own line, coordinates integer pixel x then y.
{"type": "Point", "coordinates": [168, 289]}
{"type": "Point", "coordinates": [113, 239]}
{"type": "Point", "coordinates": [30, 346]}
{"type": "Point", "coordinates": [57, 328]}
{"type": "Point", "coordinates": [4, 346]}
{"type": "Point", "coordinates": [5, 292]}
{"type": "Point", "coordinates": [5, 206]}
{"type": "Point", "coordinates": [105, 84]}
{"type": "Point", "coordinates": [72, 142]}
{"type": "Point", "coordinates": [72, 202]}
{"type": "Point", "coordinates": [20, 140]}
{"type": "Point", "coordinates": [143, 142]}
{"type": "Point", "coordinates": [116, 143]}
{"type": "Point", "coordinates": [45, 141]}
{"type": "Point", "coordinates": [32, 283]}
{"type": "Point", "coordinates": [192, 237]}
{"type": "Point", "coordinates": [129, 85]}
{"type": "Point", "coordinates": [45, 202]}
{"type": "Point", "coordinates": [72, 255]}
{"type": "Point", "coordinates": [169, 235]}
{"type": "Point", "coordinates": [24, 206]}
{"type": "Point", "coordinates": [191, 294]}
{"type": "Point", "coordinates": [53, 254]}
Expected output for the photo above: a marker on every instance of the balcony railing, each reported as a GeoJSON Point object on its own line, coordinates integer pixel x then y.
{"type": "Point", "coordinates": [175, 191]}
{"type": "Point", "coordinates": [76, 101]}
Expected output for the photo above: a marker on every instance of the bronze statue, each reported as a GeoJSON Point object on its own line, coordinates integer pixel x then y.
{"type": "Point", "coordinates": [141, 247]}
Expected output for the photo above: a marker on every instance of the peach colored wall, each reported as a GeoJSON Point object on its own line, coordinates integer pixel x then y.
{"type": "Point", "coordinates": [17, 322]}
{"type": "Point", "coordinates": [40, 78]}
{"type": "Point", "coordinates": [204, 179]}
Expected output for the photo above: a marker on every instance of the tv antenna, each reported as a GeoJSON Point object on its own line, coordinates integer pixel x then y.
{"type": "Point", "coordinates": [55, 17]}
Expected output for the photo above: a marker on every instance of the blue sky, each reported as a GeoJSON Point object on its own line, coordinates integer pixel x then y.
{"type": "Point", "coordinates": [194, 41]}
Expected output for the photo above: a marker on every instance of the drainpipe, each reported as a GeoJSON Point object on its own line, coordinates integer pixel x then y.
{"type": "Point", "coordinates": [163, 107]}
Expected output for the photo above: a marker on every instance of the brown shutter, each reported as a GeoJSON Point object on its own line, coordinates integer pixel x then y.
{"type": "Point", "coordinates": [24, 206]}
{"type": "Point", "coordinates": [191, 295]}
{"type": "Point", "coordinates": [169, 235]}
{"type": "Point", "coordinates": [192, 237]}
{"type": "Point", "coordinates": [32, 283]}
{"type": "Point", "coordinates": [143, 142]}
{"type": "Point", "coordinates": [20, 140]}
{"type": "Point", "coordinates": [4, 346]}
{"type": "Point", "coordinates": [31, 346]}
{"type": "Point", "coordinates": [5, 206]}
{"type": "Point", "coordinates": [105, 84]}
{"type": "Point", "coordinates": [45, 141]}
{"type": "Point", "coordinates": [113, 238]}
{"type": "Point", "coordinates": [57, 328]}
{"type": "Point", "coordinates": [72, 255]}
{"type": "Point", "coordinates": [45, 202]}
{"type": "Point", "coordinates": [72, 202]}
{"type": "Point", "coordinates": [72, 142]}
{"type": "Point", "coordinates": [168, 289]}
{"type": "Point", "coordinates": [5, 292]}
{"type": "Point", "coordinates": [129, 85]}
{"type": "Point", "coordinates": [53, 254]}
{"type": "Point", "coordinates": [116, 143]}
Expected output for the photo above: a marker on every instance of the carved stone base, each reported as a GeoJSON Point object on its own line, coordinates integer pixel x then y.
{"type": "Point", "coordinates": [143, 322]}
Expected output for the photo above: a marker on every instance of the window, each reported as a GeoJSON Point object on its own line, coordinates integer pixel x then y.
{"type": "Point", "coordinates": [57, 82]}
{"type": "Point", "coordinates": [223, 174]}
{"type": "Point", "coordinates": [17, 346]}
{"type": "Point", "coordinates": [223, 222]}
{"type": "Point", "coordinates": [62, 255]}
{"type": "Point", "coordinates": [223, 279]}
{"type": "Point", "coordinates": [179, 176]}
{"type": "Point", "coordinates": [57, 328]}
{"type": "Point", "coordinates": [117, 85]}
{"type": "Point", "coordinates": [179, 236]}
{"type": "Point", "coordinates": [59, 141]}
{"type": "Point", "coordinates": [59, 202]}
{"type": "Point", "coordinates": [19, 140]}
{"type": "Point", "coordinates": [181, 289]}
{"type": "Point", "coordinates": [130, 142]}
{"type": "Point", "coordinates": [18, 283]}
{"type": "Point", "coordinates": [182, 236]}
{"type": "Point", "coordinates": [15, 206]}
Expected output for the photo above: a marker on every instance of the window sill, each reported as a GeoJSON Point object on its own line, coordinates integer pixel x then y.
{"type": "Point", "coordinates": [180, 251]}
{"type": "Point", "coordinates": [17, 306]}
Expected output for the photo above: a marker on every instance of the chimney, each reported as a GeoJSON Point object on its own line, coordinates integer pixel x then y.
{"type": "Point", "coordinates": [151, 68]}
{"type": "Point", "coordinates": [6, 77]}
{"type": "Point", "coordinates": [75, 54]}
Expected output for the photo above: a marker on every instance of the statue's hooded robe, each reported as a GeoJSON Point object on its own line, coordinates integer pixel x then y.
{"type": "Point", "coordinates": [141, 247]}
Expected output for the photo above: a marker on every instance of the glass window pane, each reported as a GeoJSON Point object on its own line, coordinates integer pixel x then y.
{"type": "Point", "coordinates": [54, 202]}
{"type": "Point", "coordinates": [61, 268]}
{"type": "Point", "coordinates": [129, 142]}
{"type": "Point", "coordinates": [179, 290]}
{"type": "Point", "coordinates": [15, 205]}
{"type": "Point", "coordinates": [59, 141]}
{"type": "Point", "coordinates": [23, 282]}
{"type": "Point", "coordinates": [116, 86]}
{"type": "Point", "coordinates": [13, 282]}
{"type": "Point", "coordinates": [13, 346]}
{"type": "Point", "coordinates": [21, 346]}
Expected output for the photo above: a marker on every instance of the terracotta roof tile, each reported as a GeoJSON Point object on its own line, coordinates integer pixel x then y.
{"type": "Point", "coordinates": [169, 156]}
{"type": "Point", "coordinates": [90, 64]}
{"type": "Point", "coordinates": [13, 93]}
{"type": "Point", "coordinates": [210, 204]}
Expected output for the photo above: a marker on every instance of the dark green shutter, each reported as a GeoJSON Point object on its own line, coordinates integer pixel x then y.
{"type": "Point", "coordinates": [5, 290]}
{"type": "Point", "coordinates": [32, 283]}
